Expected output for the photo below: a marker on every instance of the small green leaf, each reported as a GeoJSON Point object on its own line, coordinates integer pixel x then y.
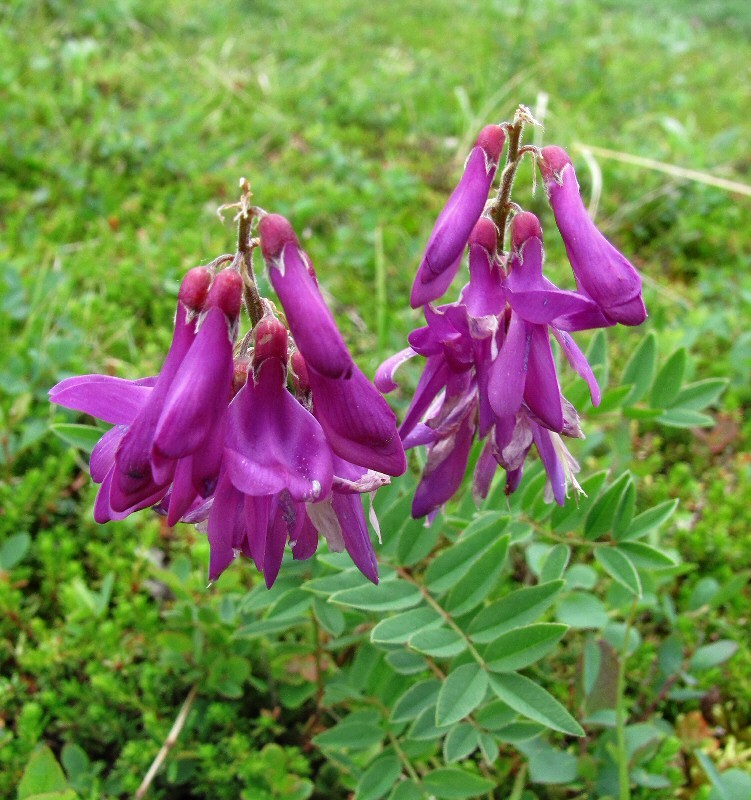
{"type": "Point", "coordinates": [293, 603]}
{"type": "Point", "coordinates": [555, 564]}
{"type": "Point", "coordinates": [685, 418]}
{"type": "Point", "coordinates": [438, 643]}
{"type": "Point", "coordinates": [416, 541]}
{"type": "Point", "coordinates": [521, 647]}
{"type": "Point", "coordinates": [602, 513]}
{"type": "Point", "coordinates": [462, 691]}
{"type": "Point", "coordinates": [462, 739]}
{"type": "Point", "coordinates": [518, 608]}
{"type": "Point", "coordinates": [400, 628]}
{"type": "Point", "coordinates": [83, 437]}
{"type": "Point", "coordinates": [330, 617]}
{"type": "Point", "coordinates": [452, 783]}
{"type": "Point", "coordinates": [620, 567]}
{"type": "Point", "coordinates": [44, 777]}
{"type": "Point", "coordinates": [357, 731]}
{"type": "Point", "coordinates": [406, 663]}
{"type": "Point", "coordinates": [701, 394]}
{"type": "Point", "coordinates": [649, 520]}
{"type": "Point", "coordinates": [644, 556]}
{"type": "Point", "coordinates": [640, 369]}
{"type": "Point", "coordinates": [379, 778]}
{"type": "Point", "coordinates": [581, 610]}
{"type": "Point", "coordinates": [387, 596]}
{"type": "Point", "coordinates": [13, 550]}
{"type": "Point", "coordinates": [533, 702]}
{"type": "Point", "coordinates": [468, 594]}
{"type": "Point", "coordinates": [456, 561]}
{"type": "Point", "coordinates": [415, 700]}
{"type": "Point", "coordinates": [712, 655]}
{"type": "Point", "coordinates": [667, 384]}
{"type": "Point", "coordinates": [624, 513]}
{"type": "Point", "coordinates": [407, 790]}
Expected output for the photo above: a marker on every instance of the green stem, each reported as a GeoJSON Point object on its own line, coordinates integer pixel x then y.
{"type": "Point", "coordinates": [445, 614]}
{"type": "Point", "coordinates": [244, 258]}
{"type": "Point", "coordinates": [621, 717]}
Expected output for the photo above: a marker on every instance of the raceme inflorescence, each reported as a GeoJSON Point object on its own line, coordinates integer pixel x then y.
{"type": "Point", "coordinates": [270, 438]}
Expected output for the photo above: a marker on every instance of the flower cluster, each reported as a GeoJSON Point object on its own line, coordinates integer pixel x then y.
{"type": "Point", "coordinates": [490, 371]}
{"type": "Point", "coordinates": [263, 443]}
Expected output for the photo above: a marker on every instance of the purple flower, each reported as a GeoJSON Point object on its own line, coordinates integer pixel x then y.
{"type": "Point", "coordinates": [601, 271]}
{"type": "Point", "coordinates": [279, 473]}
{"type": "Point", "coordinates": [524, 370]}
{"type": "Point", "coordinates": [455, 223]}
{"type": "Point", "coordinates": [359, 425]}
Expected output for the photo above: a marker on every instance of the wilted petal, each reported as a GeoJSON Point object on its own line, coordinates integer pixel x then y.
{"type": "Point", "coordinates": [352, 479]}
{"type": "Point", "coordinates": [444, 470]}
{"type": "Point", "coordinates": [359, 425]}
{"type": "Point", "coordinates": [455, 223]}
{"type": "Point", "coordinates": [384, 377]}
{"type": "Point", "coordinates": [553, 466]}
{"type": "Point", "coordinates": [579, 362]}
{"type": "Point", "coordinates": [600, 270]}
{"type": "Point", "coordinates": [273, 443]}
{"type": "Point", "coordinates": [433, 379]}
{"type": "Point", "coordinates": [326, 522]}
{"type": "Point", "coordinates": [113, 400]}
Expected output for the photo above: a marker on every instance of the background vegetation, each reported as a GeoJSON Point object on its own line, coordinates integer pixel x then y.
{"type": "Point", "coordinates": [125, 124]}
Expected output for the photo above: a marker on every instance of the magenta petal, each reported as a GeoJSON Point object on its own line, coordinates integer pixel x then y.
{"type": "Point", "coordinates": [273, 443]}
{"type": "Point", "coordinates": [276, 538]}
{"type": "Point", "coordinates": [226, 526]}
{"type": "Point", "coordinates": [508, 373]}
{"type": "Point", "coordinates": [542, 392]}
{"type": "Point", "coordinates": [257, 511]}
{"type": "Point", "coordinates": [384, 377]}
{"type": "Point", "coordinates": [359, 425]}
{"type": "Point", "coordinates": [207, 461]}
{"type": "Point", "coordinates": [349, 511]}
{"type": "Point", "coordinates": [306, 541]}
{"type": "Point", "coordinates": [106, 510]}
{"type": "Point", "coordinates": [182, 494]}
{"type": "Point", "coordinates": [310, 320]}
{"type": "Point", "coordinates": [444, 470]}
{"type": "Point", "coordinates": [103, 455]}
{"type": "Point", "coordinates": [112, 400]}
{"type": "Point", "coordinates": [199, 391]}
{"type": "Point", "coordinates": [434, 377]}
{"type": "Point", "coordinates": [484, 472]}
{"type": "Point", "coordinates": [544, 305]}
{"type": "Point", "coordinates": [551, 462]}
{"type": "Point", "coordinates": [579, 362]}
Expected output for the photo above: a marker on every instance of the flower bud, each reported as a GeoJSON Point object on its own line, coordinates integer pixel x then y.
{"type": "Point", "coordinates": [601, 271]}
{"type": "Point", "coordinates": [194, 288]}
{"type": "Point", "coordinates": [270, 338]}
{"type": "Point", "coordinates": [455, 223]}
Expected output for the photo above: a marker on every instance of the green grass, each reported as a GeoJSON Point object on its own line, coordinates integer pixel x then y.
{"type": "Point", "coordinates": [126, 123]}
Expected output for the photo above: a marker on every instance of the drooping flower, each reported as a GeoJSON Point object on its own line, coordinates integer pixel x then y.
{"type": "Point", "coordinates": [451, 231]}
{"type": "Point", "coordinates": [601, 271]}
{"type": "Point", "coordinates": [279, 473]}
{"type": "Point", "coordinates": [359, 425]}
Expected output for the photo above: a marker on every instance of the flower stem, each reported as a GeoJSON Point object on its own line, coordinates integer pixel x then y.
{"type": "Point", "coordinates": [243, 260]}
{"type": "Point", "coordinates": [621, 718]}
{"type": "Point", "coordinates": [501, 207]}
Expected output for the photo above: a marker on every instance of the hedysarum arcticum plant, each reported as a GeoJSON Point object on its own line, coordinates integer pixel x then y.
{"type": "Point", "coordinates": [264, 442]}
{"type": "Point", "coordinates": [490, 373]}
